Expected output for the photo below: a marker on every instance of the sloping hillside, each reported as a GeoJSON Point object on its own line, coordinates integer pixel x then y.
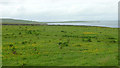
{"type": "Point", "coordinates": [14, 21]}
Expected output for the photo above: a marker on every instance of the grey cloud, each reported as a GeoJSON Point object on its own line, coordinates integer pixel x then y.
{"type": "Point", "coordinates": [55, 10]}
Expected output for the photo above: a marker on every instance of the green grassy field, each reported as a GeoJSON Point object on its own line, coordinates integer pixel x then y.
{"type": "Point", "coordinates": [59, 46]}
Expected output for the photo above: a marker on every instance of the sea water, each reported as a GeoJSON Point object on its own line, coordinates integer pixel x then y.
{"type": "Point", "coordinates": [113, 24]}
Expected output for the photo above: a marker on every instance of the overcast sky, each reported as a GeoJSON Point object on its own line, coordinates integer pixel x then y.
{"type": "Point", "coordinates": [59, 10]}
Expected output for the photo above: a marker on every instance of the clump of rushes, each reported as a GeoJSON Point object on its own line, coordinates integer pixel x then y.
{"type": "Point", "coordinates": [23, 65]}
{"type": "Point", "coordinates": [87, 39]}
{"type": "Point", "coordinates": [19, 27]}
{"type": "Point", "coordinates": [29, 32]}
{"type": "Point", "coordinates": [98, 41]}
{"type": "Point", "coordinates": [19, 33]}
{"type": "Point", "coordinates": [65, 43]}
{"type": "Point", "coordinates": [49, 40]}
{"type": "Point", "coordinates": [11, 45]}
{"type": "Point", "coordinates": [63, 31]}
{"type": "Point", "coordinates": [24, 42]}
{"type": "Point", "coordinates": [78, 45]}
{"type": "Point", "coordinates": [13, 50]}
{"type": "Point", "coordinates": [113, 41]}
{"type": "Point", "coordinates": [62, 44]}
{"type": "Point", "coordinates": [34, 42]}
{"type": "Point", "coordinates": [35, 48]}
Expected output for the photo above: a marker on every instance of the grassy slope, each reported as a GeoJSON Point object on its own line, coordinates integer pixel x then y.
{"type": "Point", "coordinates": [38, 46]}
{"type": "Point", "coordinates": [14, 21]}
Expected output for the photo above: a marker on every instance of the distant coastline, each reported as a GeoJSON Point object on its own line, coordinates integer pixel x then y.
{"type": "Point", "coordinates": [112, 24]}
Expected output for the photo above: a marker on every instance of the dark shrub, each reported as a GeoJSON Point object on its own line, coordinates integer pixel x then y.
{"type": "Point", "coordinates": [78, 45]}
{"type": "Point", "coordinates": [11, 45]}
{"type": "Point", "coordinates": [89, 40]}
{"type": "Point", "coordinates": [24, 42]}
{"type": "Point", "coordinates": [62, 44]}
{"type": "Point", "coordinates": [62, 31]}
{"type": "Point", "coordinates": [29, 32]}
{"type": "Point", "coordinates": [19, 33]}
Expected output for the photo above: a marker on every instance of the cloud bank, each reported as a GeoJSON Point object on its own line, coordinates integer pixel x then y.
{"type": "Point", "coordinates": [59, 10]}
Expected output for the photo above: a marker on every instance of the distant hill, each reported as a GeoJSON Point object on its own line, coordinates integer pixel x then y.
{"type": "Point", "coordinates": [14, 21]}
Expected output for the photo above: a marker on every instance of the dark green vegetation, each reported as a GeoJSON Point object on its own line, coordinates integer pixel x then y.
{"type": "Point", "coordinates": [59, 46]}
